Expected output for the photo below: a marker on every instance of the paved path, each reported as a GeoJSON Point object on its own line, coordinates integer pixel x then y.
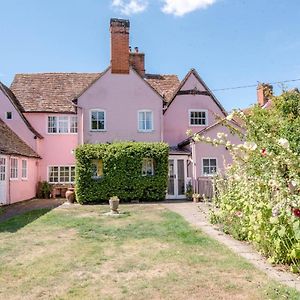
{"type": "Point", "coordinates": [197, 214]}
{"type": "Point", "coordinates": [25, 206]}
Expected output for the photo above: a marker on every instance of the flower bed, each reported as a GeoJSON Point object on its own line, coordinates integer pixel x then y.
{"type": "Point", "coordinates": [259, 195]}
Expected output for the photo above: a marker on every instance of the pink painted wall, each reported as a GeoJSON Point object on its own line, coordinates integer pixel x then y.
{"type": "Point", "coordinates": [23, 189]}
{"type": "Point", "coordinates": [121, 96]}
{"type": "Point", "coordinates": [16, 123]}
{"type": "Point", "coordinates": [176, 118]}
{"type": "Point", "coordinates": [55, 149]}
{"type": "Point", "coordinates": [222, 155]}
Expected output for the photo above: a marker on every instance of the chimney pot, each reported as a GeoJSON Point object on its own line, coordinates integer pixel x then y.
{"type": "Point", "coordinates": [264, 93]}
{"type": "Point", "coordinates": [136, 49]}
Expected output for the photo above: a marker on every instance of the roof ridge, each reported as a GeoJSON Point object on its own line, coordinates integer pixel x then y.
{"type": "Point", "coordinates": [55, 73]}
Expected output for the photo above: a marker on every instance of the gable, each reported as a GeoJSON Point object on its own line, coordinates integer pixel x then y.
{"type": "Point", "coordinates": [118, 87]}
{"type": "Point", "coordinates": [9, 102]}
{"type": "Point", "coordinates": [193, 84]}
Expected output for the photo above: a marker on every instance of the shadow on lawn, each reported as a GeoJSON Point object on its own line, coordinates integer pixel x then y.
{"type": "Point", "coordinates": [18, 222]}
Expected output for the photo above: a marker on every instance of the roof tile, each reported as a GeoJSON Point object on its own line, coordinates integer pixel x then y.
{"type": "Point", "coordinates": [12, 144]}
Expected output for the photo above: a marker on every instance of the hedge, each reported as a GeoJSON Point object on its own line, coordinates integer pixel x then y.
{"type": "Point", "coordinates": [122, 172]}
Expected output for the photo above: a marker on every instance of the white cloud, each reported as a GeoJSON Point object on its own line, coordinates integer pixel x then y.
{"type": "Point", "coordinates": [129, 7]}
{"type": "Point", "coordinates": [182, 7]}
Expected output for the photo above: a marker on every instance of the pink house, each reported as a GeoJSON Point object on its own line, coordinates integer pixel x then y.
{"type": "Point", "coordinates": [53, 113]}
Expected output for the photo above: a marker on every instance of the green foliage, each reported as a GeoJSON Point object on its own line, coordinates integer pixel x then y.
{"type": "Point", "coordinates": [43, 190]}
{"type": "Point", "coordinates": [122, 172]}
{"type": "Point", "coordinates": [259, 196]}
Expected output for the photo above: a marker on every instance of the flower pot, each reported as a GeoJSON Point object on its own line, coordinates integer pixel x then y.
{"type": "Point", "coordinates": [114, 204]}
{"type": "Point", "coordinates": [196, 199]}
{"type": "Point", "coordinates": [70, 195]}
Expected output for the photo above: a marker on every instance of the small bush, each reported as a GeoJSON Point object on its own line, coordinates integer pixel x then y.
{"type": "Point", "coordinates": [122, 172]}
{"type": "Point", "coordinates": [43, 190]}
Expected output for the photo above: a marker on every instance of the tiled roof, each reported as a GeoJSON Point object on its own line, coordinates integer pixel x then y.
{"type": "Point", "coordinates": [50, 92]}
{"type": "Point", "coordinates": [11, 144]}
{"type": "Point", "coordinates": [165, 85]}
{"type": "Point", "coordinates": [54, 92]}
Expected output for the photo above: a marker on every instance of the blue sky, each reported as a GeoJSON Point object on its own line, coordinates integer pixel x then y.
{"type": "Point", "coordinates": [229, 42]}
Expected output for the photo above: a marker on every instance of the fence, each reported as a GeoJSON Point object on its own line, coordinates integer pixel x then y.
{"type": "Point", "coordinates": [204, 186]}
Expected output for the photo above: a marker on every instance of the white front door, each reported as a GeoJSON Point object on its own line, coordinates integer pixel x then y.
{"type": "Point", "coordinates": [3, 180]}
{"type": "Point", "coordinates": [177, 177]}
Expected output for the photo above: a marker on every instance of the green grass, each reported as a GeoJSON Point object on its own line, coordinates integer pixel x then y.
{"type": "Point", "coordinates": [150, 252]}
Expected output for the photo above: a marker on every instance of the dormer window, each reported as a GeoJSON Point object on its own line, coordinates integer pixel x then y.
{"type": "Point", "coordinates": [8, 115]}
{"type": "Point", "coordinates": [198, 117]}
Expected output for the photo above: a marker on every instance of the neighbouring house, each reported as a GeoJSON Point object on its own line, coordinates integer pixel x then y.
{"type": "Point", "coordinates": [55, 112]}
{"type": "Point", "coordinates": [18, 167]}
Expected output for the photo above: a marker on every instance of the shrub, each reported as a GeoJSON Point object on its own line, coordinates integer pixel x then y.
{"type": "Point", "coordinates": [259, 195]}
{"type": "Point", "coordinates": [122, 172]}
{"type": "Point", "coordinates": [43, 190]}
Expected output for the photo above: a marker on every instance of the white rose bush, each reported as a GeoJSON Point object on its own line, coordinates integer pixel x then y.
{"type": "Point", "coordinates": [258, 197]}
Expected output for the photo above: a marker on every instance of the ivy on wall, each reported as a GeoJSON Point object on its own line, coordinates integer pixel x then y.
{"type": "Point", "coordinates": [122, 164]}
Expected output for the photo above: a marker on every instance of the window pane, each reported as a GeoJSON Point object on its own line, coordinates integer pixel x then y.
{"type": "Point", "coordinates": [14, 168]}
{"type": "Point", "coordinates": [53, 174]}
{"type": "Point", "coordinates": [198, 118]}
{"type": "Point", "coordinates": [63, 124]}
{"type": "Point", "coordinates": [24, 168]}
{"type": "Point", "coordinates": [64, 174]}
{"type": "Point", "coordinates": [52, 124]}
{"type": "Point", "coordinates": [72, 174]}
{"type": "Point", "coordinates": [97, 120]}
{"type": "Point", "coordinates": [73, 125]}
{"type": "Point", "coordinates": [145, 120]}
{"type": "Point", "coordinates": [206, 162]}
{"type": "Point", "coordinates": [213, 162]}
{"type": "Point", "coordinates": [148, 167]}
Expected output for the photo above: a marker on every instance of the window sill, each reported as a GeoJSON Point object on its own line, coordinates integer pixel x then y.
{"type": "Point", "coordinates": [94, 130]}
{"type": "Point", "coordinates": [145, 131]}
{"type": "Point", "coordinates": [197, 125]}
{"type": "Point", "coordinates": [64, 133]}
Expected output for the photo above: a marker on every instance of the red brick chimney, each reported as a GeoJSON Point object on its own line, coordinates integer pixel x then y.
{"type": "Point", "coordinates": [137, 61]}
{"type": "Point", "coordinates": [119, 30]}
{"type": "Point", "coordinates": [264, 93]}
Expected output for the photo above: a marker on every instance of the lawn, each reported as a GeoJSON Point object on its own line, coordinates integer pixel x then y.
{"type": "Point", "coordinates": [75, 252]}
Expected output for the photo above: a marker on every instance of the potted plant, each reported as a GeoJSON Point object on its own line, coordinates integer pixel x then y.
{"type": "Point", "coordinates": [189, 191]}
{"type": "Point", "coordinates": [196, 197]}
{"type": "Point", "coordinates": [70, 195]}
{"type": "Point", "coordinates": [114, 204]}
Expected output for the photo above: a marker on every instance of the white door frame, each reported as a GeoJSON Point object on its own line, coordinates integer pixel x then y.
{"type": "Point", "coordinates": [175, 158]}
{"type": "Point", "coordinates": [3, 180]}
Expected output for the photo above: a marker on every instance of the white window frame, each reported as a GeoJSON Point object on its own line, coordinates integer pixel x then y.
{"type": "Point", "coordinates": [104, 113]}
{"type": "Point", "coordinates": [24, 169]}
{"type": "Point", "coordinates": [58, 175]}
{"type": "Point", "coordinates": [202, 166]}
{"type": "Point", "coordinates": [138, 120]}
{"type": "Point", "coordinates": [73, 126]}
{"type": "Point", "coordinates": [146, 159]}
{"type": "Point", "coordinates": [57, 122]}
{"type": "Point", "coordinates": [14, 170]}
{"type": "Point", "coordinates": [198, 110]}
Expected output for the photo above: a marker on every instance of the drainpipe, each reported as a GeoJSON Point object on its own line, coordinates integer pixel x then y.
{"type": "Point", "coordinates": [194, 166]}
{"type": "Point", "coordinates": [8, 178]}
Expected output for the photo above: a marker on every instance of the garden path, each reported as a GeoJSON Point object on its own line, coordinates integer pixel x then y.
{"type": "Point", "coordinates": [197, 214]}
{"type": "Point", "coordinates": [9, 211]}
